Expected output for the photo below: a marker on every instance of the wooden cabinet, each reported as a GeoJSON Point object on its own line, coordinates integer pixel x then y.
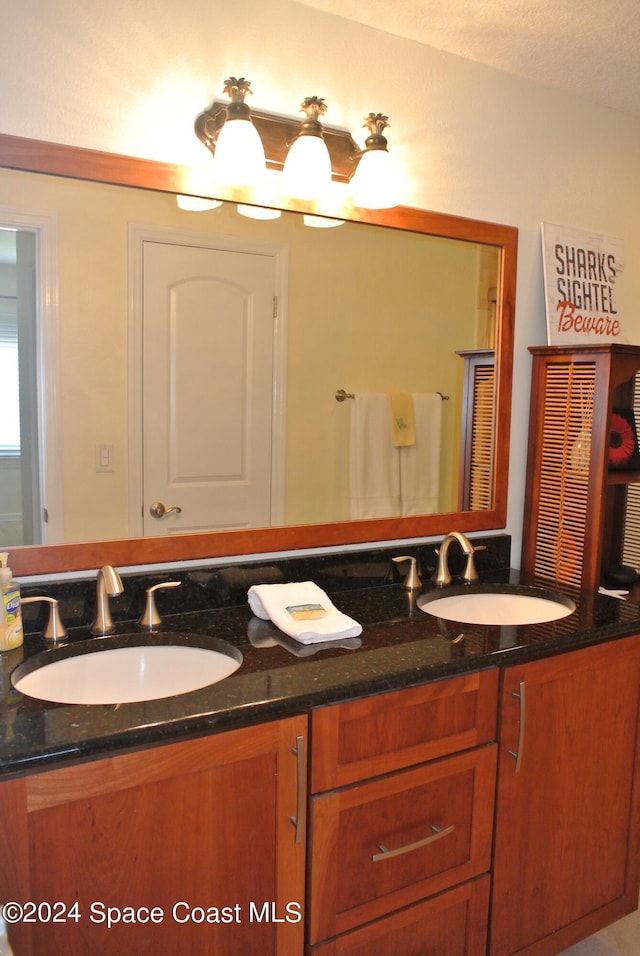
{"type": "Point", "coordinates": [575, 501]}
{"type": "Point", "coordinates": [200, 832]}
{"type": "Point", "coordinates": [567, 840]}
{"type": "Point", "coordinates": [199, 847]}
{"type": "Point", "coordinates": [409, 818]}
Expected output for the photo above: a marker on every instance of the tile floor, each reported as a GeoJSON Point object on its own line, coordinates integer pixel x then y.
{"type": "Point", "coordinates": [620, 939]}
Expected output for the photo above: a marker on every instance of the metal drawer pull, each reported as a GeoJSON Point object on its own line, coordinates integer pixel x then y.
{"type": "Point", "coordinates": [517, 754]}
{"type": "Point", "coordinates": [438, 833]}
{"type": "Point", "coordinates": [299, 820]}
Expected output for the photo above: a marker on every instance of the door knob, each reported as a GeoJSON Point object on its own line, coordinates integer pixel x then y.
{"type": "Point", "coordinates": [158, 510]}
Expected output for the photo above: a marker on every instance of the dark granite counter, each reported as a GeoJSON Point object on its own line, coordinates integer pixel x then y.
{"type": "Point", "coordinates": [401, 646]}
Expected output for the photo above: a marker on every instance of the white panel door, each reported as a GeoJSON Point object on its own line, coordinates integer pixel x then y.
{"type": "Point", "coordinates": [208, 333]}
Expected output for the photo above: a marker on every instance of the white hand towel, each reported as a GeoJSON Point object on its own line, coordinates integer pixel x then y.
{"type": "Point", "coordinates": [302, 610]}
{"type": "Point", "coordinates": [420, 463]}
{"type": "Point", "coordinates": [374, 466]}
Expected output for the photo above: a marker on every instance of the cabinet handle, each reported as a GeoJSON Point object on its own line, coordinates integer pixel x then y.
{"type": "Point", "coordinates": [299, 821]}
{"type": "Point", "coordinates": [517, 755]}
{"type": "Point", "coordinates": [386, 854]}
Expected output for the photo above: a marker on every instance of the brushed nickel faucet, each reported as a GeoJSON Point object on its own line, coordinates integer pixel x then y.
{"type": "Point", "coordinates": [108, 584]}
{"type": "Point", "coordinates": [412, 581]}
{"type": "Point", "coordinates": [442, 577]}
{"type": "Point", "coordinates": [54, 630]}
{"type": "Point", "coordinates": [150, 619]}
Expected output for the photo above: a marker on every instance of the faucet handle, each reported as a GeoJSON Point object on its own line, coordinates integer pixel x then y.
{"type": "Point", "coordinates": [412, 581]}
{"type": "Point", "coordinates": [150, 617]}
{"type": "Point", "coordinates": [469, 575]}
{"type": "Point", "coordinates": [55, 630]}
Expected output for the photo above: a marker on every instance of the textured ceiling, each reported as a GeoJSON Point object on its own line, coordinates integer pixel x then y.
{"type": "Point", "coordinates": [587, 47]}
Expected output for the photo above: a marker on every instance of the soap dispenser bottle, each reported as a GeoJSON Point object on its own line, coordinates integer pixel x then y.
{"type": "Point", "coordinates": [10, 611]}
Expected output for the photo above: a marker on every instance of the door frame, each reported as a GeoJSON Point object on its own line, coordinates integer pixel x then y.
{"type": "Point", "coordinates": [138, 234]}
{"type": "Point", "coordinates": [45, 226]}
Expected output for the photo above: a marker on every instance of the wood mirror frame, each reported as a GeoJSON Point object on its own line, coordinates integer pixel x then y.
{"type": "Point", "coordinates": [73, 162]}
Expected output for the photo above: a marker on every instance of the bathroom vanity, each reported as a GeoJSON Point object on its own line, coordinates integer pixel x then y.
{"type": "Point", "coordinates": [462, 789]}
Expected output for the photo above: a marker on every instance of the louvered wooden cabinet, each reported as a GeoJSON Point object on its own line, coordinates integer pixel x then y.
{"type": "Point", "coordinates": [477, 430]}
{"type": "Point", "coordinates": [575, 503]}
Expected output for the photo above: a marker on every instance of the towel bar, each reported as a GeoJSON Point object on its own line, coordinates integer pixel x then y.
{"type": "Point", "coordinates": [342, 396]}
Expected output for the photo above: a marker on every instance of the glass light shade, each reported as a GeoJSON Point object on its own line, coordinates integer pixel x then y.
{"type": "Point", "coordinates": [307, 168]}
{"type": "Point", "coordinates": [238, 159]}
{"type": "Point", "coordinates": [258, 212]}
{"type": "Point", "coordinates": [322, 222]}
{"type": "Point", "coordinates": [374, 185]}
{"type": "Point", "coordinates": [197, 203]}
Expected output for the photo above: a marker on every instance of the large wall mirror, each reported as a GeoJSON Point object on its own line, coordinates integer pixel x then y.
{"type": "Point", "coordinates": [390, 301]}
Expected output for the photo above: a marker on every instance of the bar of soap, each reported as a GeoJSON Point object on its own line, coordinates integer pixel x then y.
{"type": "Point", "coordinates": [306, 612]}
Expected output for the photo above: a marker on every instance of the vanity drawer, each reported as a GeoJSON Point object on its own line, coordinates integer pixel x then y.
{"type": "Point", "coordinates": [452, 924]}
{"type": "Point", "coordinates": [376, 735]}
{"type": "Point", "coordinates": [398, 839]}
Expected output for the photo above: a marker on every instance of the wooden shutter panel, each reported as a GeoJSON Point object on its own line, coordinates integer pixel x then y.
{"type": "Point", "coordinates": [631, 533]}
{"type": "Point", "coordinates": [566, 446]}
{"type": "Point", "coordinates": [481, 471]}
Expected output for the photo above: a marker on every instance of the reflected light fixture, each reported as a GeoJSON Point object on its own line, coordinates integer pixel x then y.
{"type": "Point", "coordinates": [322, 222]}
{"type": "Point", "coordinates": [238, 159]}
{"type": "Point", "coordinates": [307, 168]}
{"type": "Point", "coordinates": [197, 203]}
{"type": "Point", "coordinates": [374, 183]}
{"type": "Point", "coordinates": [258, 212]}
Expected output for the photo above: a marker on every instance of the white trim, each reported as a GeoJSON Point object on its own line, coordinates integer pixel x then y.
{"type": "Point", "coordinates": [45, 227]}
{"type": "Point", "coordinates": [139, 234]}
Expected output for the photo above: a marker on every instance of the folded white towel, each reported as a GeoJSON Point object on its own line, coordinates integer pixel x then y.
{"type": "Point", "coordinates": [302, 610]}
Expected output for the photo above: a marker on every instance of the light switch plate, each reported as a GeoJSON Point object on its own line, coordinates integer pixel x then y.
{"type": "Point", "coordinates": [104, 457]}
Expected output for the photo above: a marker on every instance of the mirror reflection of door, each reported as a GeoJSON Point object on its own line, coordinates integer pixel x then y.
{"type": "Point", "coordinates": [21, 512]}
{"type": "Point", "coordinates": [208, 386]}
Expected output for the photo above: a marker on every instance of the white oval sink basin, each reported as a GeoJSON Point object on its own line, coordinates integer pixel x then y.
{"type": "Point", "coordinates": [124, 675]}
{"type": "Point", "coordinates": [532, 606]}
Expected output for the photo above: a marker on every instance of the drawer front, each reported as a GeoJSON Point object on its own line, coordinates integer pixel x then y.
{"type": "Point", "coordinates": [452, 924]}
{"type": "Point", "coordinates": [376, 735]}
{"type": "Point", "coordinates": [398, 839]}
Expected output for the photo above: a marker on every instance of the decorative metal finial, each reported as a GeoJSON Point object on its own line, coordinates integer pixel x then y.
{"type": "Point", "coordinates": [236, 89]}
{"type": "Point", "coordinates": [376, 123]}
{"type": "Point", "coordinates": [314, 107]}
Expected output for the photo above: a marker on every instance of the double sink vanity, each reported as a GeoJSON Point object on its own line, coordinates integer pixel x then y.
{"type": "Point", "coordinates": [438, 785]}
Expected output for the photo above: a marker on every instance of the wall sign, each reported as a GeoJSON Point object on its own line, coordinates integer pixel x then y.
{"type": "Point", "coordinates": [581, 271]}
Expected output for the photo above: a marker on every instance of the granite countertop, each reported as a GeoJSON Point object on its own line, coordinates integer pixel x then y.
{"type": "Point", "coordinates": [401, 646]}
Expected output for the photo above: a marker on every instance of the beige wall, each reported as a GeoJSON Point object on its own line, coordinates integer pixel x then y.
{"type": "Point", "coordinates": [469, 140]}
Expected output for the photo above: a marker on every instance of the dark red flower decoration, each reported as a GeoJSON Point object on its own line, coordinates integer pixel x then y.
{"type": "Point", "coordinates": [621, 440]}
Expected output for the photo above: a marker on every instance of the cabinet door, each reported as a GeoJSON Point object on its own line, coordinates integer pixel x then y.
{"type": "Point", "coordinates": [199, 832]}
{"type": "Point", "coordinates": [567, 815]}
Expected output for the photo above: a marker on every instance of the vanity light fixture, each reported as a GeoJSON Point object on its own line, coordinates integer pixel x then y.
{"type": "Point", "coordinates": [238, 157]}
{"type": "Point", "coordinates": [307, 168]}
{"type": "Point", "coordinates": [309, 154]}
{"type": "Point", "coordinates": [374, 183]}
